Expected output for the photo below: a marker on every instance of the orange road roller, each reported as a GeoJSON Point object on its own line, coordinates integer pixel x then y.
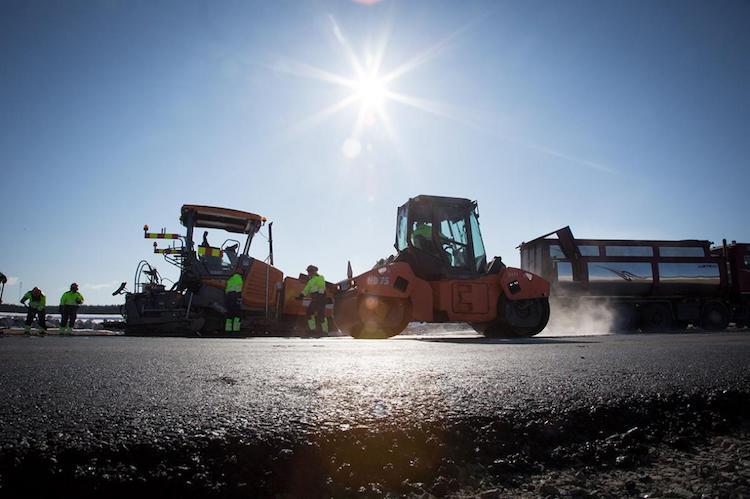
{"type": "Point", "coordinates": [440, 274]}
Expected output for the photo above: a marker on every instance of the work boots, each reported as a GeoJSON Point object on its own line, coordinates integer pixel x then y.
{"type": "Point", "coordinates": [317, 330]}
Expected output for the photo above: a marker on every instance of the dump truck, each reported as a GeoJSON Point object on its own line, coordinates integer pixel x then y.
{"type": "Point", "coordinates": [194, 304]}
{"type": "Point", "coordinates": [440, 274]}
{"type": "Point", "coordinates": [652, 285]}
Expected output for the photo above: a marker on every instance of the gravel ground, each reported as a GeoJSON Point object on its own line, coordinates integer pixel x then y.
{"type": "Point", "coordinates": [716, 467]}
{"type": "Point", "coordinates": [682, 446]}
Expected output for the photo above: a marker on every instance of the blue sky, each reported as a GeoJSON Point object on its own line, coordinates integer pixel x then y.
{"type": "Point", "coordinates": [621, 119]}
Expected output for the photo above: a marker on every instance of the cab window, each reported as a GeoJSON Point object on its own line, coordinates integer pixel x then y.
{"type": "Point", "coordinates": [402, 225]}
{"type": "Point", "coordinates": [454, 241]}
{"type": "Point", "coordinates": [480, 257]}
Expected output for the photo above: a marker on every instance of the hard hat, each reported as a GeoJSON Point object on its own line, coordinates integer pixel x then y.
{"type": "Point", "coordinates": [74, 286]}
{"type": "Point", "coordinates": [312, 268]}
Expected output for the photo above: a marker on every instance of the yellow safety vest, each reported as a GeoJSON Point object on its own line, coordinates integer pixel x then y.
{"type": "Point", "coordinates": [234, 284]}
{"type": "Point", "coordinates": [39, 304]}
{"type": "Point", "coordinates": [71, 298]}
{"type": "Point", "coordinates": [316, 284]}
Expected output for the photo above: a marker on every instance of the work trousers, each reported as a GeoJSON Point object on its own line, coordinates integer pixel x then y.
{"type": "Point", "coordinates": [317, 309]}
{"type": "Point", "coordinates": [41, 315]}
{"type": "Point", "coordinates": [68, 313]}
{"type": "Point", "coordinates": [233, 304]}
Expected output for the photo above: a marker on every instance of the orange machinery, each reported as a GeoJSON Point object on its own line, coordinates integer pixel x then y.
{"type": "Point", "coordinates": [195, 303]}
{"type": "Point", "coordinates": [440, 274]}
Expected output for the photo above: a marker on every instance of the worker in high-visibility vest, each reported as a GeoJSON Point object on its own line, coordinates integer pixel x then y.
{"type": "Point", "coordinates": [36, 308]}
{"type": "Point", "coordinates": [69, 303]}
{"type": "Point", "coordinates": [421, 236]}
{"type": "Point", "coordinates": [233, 302]}
{"type": "Point", "coordinates": [316, 311]}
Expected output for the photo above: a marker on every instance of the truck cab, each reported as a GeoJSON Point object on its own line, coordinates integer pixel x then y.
{"type": "Point", "coordinates": [739, 262]}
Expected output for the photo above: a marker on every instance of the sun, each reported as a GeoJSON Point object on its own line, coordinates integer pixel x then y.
{"type": "Point", "coordinates": [372, 92]}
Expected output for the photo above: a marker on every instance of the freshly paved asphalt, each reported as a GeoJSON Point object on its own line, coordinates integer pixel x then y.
{"type": "Point", "coordinates": [126, 388]}
{"type": "Point", "coordinates": [120, 411]}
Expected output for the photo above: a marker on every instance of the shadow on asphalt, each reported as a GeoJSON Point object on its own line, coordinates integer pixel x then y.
{"type": "Point", "coordinates": [508, 341]}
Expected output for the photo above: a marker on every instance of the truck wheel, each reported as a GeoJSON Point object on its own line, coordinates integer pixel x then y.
{"type": "Point", "coordinates": [656, 317]}
{"type": "Point", "coordinates": [625, 318]}
{"type": "Point", "coordinates": [681, 325]}
{"type": "Point", "coordinates": [714, 316]}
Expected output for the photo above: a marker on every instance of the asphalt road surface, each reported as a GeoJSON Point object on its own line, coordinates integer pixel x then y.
{"type": "Point", "coordinates": [336, 416]}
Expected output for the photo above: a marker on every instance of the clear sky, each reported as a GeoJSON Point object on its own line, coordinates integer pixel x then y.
{"type": "Point", "coordinates": [621, 119]}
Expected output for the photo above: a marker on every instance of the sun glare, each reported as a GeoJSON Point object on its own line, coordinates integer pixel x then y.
{"type": "Point", "coordinates": [370, 88]}
{"type": "Point", "coordinates": [372, 92]}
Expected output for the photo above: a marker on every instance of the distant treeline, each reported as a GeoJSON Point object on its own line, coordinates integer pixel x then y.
{"type": "Point", "coordinates": [53, 309]}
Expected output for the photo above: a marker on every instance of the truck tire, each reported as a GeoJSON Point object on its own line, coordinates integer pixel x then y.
{"type": "Point", "coordinates": [656, 317]}
{"type": "Point", "coordinates": [680, 325]}
{"type": "Point", "coordinates": [714, 316]}
{"type": "Point", "coordinates": [625, 318]}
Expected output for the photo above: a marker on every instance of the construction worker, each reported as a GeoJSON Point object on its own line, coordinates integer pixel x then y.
{"type": "Point", "coordinates": [421, 236]}
{"type": "Point", "coordinates": [69, 303]}
{"type": "Point", "coordinates": [36, 308]}
{"type": "Point", "coordinates": [3, 280]}
{"type": "Point", "coordinates": [233, 301]}
{"type": "Point", "coordinates": [316, 311]}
